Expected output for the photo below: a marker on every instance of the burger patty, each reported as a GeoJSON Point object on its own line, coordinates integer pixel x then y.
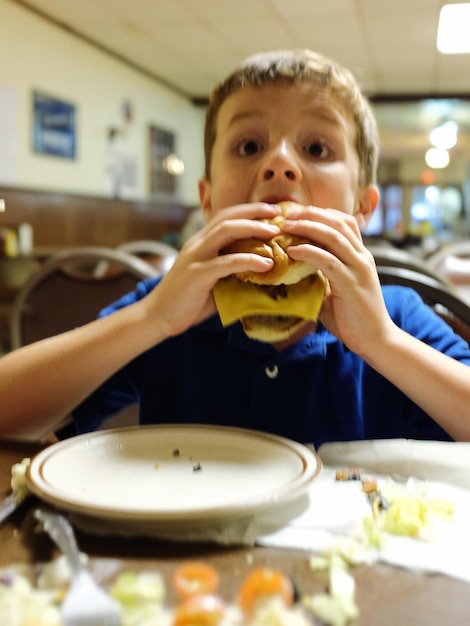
{"type": "Point", "coordinates": [278, 321]}
{"type": "Point", "coordinates": [274, 291]}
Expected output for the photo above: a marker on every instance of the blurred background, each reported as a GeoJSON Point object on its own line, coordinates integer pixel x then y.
{"type": "Point", "coordinates": [105, 99]}
{"type": "Point", "coordinates": [102, 106]}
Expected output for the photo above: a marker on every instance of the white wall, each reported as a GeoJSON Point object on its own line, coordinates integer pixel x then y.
{"type": "Point", "coordinates": [36, 55]}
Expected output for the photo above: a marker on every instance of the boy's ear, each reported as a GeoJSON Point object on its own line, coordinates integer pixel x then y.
{"type": "Point", "coordinates": [367, 202]}
{"type": "Point", "coordinates": [205, 198]}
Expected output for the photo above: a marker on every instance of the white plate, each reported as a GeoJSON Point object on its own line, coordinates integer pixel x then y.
{"type": "Point", "coordinates": [167, 473]}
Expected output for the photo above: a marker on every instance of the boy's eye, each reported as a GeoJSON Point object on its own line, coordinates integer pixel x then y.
{"type": "Point", "coordinates": [317, 149]}
{"type": "Point", "coordinates": [249, 147]}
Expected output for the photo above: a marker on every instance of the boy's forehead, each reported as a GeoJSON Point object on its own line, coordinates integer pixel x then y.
{"type": "Point", "coordinates": [309, 100]}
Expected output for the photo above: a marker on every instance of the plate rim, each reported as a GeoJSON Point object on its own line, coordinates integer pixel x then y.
{"type": "Point", "coordinates": [311, 463]}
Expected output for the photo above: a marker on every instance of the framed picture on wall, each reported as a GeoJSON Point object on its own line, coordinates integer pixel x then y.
{"type": "Point", "coordinates": [54, 126]}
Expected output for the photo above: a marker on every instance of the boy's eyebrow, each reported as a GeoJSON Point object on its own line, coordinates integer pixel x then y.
{"type": "Point", "coordinates": [322, 112]}
{"type": "Point", "coordinates": [326, 113]}
{"type": "Point", "coordinates": [241, 115]}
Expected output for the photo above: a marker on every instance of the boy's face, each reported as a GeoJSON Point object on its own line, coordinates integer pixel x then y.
{"type": "Point", "coordinates": [286, 142]}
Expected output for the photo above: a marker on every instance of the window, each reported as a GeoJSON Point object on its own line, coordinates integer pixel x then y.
{"type": "Point", "coordinates": [162, 146]}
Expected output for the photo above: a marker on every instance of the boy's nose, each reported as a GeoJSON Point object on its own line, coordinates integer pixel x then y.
{"type": "Point", "coordinates": [281, 164]}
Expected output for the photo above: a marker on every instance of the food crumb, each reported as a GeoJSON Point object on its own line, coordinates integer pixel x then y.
{"type": "Point", "coordinates": [351, 473]}
{"type": "Point", "coordinates": [369, 485]}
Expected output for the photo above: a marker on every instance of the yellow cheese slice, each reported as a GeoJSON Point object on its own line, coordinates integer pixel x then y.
{"type": "Point", "coordinates": [235, 299]}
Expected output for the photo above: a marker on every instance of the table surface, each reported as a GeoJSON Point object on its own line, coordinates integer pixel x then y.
{"type": "Point", "coordinates": [386, 596]}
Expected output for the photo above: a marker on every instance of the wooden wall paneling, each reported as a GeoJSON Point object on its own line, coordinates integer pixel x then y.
{"type": "Point", "coordinates": [61, 220]}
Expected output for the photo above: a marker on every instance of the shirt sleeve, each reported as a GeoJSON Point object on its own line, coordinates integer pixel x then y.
{"type": "Point", "coordinates": [410, 313]}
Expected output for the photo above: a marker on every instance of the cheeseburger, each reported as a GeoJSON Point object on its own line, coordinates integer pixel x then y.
{"type": "Point", "coordinates": [272, 305]}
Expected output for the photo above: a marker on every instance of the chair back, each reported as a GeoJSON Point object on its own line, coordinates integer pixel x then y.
{"type": "Point", "coordinates": [454, 250]}
{"type": "Point", "coordinates": [439, 296]}
{"type": "Point", "coordinates": [157, 253]}
{"type": "Point", "coordinates": [65, 292]}
{"type": "Point", "coordinates": [452, 261]}
{"type": "Point", "coordinates": [393, 257]}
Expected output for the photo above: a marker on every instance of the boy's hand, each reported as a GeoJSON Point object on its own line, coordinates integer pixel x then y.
{"type": "Point", "coordinates": [354, 309]}
{"type": "Point", "coordinates": [184, 296]}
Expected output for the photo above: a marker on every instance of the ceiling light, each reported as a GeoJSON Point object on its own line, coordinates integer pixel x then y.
{"type": "Point", "coordinates": [452, 32]}
{"type": "Point", "coordinates": [444, 136]}
{"type": "Point", "coordinates": [173, 165]}
{"type": "Point", "coordinates": [437, 158]}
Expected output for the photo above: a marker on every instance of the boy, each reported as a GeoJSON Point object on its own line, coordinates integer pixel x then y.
{"type": "Point", "coordinates": [285, 126]}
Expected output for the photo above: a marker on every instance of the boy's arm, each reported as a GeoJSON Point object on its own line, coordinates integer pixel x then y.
{"type": "Point", "coordinates": [437, 383]}
{"type": "Point", "coordinates": [354, 310]}
{"type": "Point", "coordinates": [41, 383]}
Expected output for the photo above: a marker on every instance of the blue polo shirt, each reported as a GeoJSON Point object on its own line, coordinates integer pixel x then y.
{"type": "Point", "coordinates": [314, 391]}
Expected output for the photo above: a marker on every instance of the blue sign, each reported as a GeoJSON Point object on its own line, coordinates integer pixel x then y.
{"type": "Point", "coordinates": [54, 127]}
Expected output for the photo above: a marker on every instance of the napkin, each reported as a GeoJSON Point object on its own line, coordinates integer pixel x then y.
{"type": "Point", "coordinates": [428, 460]}
{"type": "Point", "coordinates": [336, 509]}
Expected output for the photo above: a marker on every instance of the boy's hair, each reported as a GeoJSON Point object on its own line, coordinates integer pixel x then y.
{"type": "Point", "coordinates": [301, 67]}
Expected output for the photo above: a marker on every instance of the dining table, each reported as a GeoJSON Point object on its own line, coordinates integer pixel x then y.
{"type": "Point", "coordinates": [385, 595]}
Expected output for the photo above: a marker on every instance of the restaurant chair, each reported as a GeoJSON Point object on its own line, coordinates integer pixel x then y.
{"type": "Point", "coordinates": [452, 261]}
{"type": "Point", "coordinates": [14, 272]}
{"type": "Point", "coordinates": [66, 293]}
{"type": "Point", "coordinates": [389, 256]}
{"type": "Point", "coordinates": [158, 253]}
{"type": "Point", "coordinates": [451, 250]}
{"type": "Point", "coordinates": [439, 296]}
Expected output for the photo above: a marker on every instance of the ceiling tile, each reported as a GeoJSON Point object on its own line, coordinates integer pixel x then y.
{"type": "Point", "coordinates": [303, 8]}
{"type": "Point", "coordinates": [388, 45]}
{"type": "Point", "coordinates": [215, 10]}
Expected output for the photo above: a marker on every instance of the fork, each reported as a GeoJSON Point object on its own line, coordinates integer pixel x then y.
{"type": "Point", "coordinates": [85, 604]}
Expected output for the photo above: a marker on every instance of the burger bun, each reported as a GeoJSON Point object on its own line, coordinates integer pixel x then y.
{"type": "Point", "coordinates": [285, 271]}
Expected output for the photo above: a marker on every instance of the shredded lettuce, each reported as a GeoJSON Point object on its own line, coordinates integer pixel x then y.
{"type": "Point", "coordinates": [141, 598]}
{"type": "Point", "coordinates": [396, 509]}
{"type": "Point", "coordinates": [21, 603]}
{"type": "Point", "coordinates": [19, 486]}
{"type": "Point", "coordinates": [411, 512]}
{"type": "Point", "coordinates": [337, 607]}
